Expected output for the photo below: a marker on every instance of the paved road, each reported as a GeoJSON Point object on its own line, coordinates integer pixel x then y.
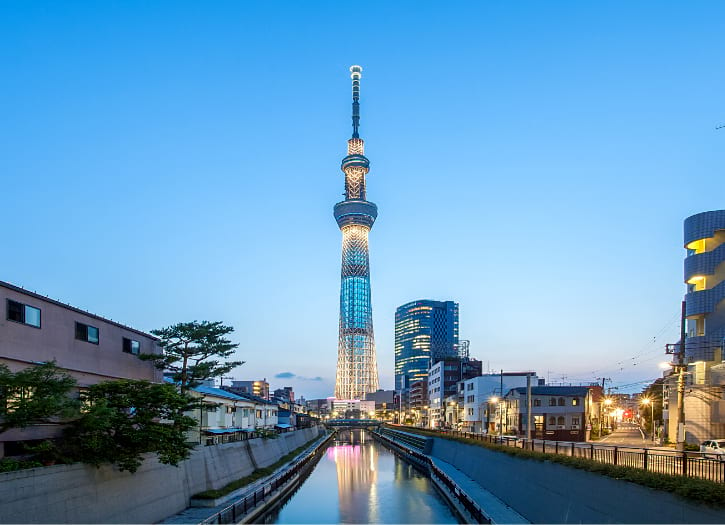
{"type": "Point", "coordinates": [627, 434]}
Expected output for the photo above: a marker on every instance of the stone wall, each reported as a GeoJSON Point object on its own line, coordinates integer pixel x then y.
{"type": "Point", "coordinates": [85, 494]}
{"type": "Point", "coordinates": [545, 492]}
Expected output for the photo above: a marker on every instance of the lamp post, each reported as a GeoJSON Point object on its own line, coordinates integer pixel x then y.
{"type": "Point", "coordinates": [492, 400]}
{"type": "Point", "coordinates": [647, 401]}
{"type": "Point", "coordinates": [607, 404]}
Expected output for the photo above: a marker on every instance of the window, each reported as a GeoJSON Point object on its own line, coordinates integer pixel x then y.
{"type": "Point", "coordinates": [552, 401]}
{"type": "Point", "coordinates": [87, 333]}
{"type": "Point", "coordinates": [552, 421]}
{"type": "Point", "coordinates": [561, 421]}
{"type": "Point", "coordinates": [131, 347]}
{"type": "Point", "coordinates": [575, 421]}
{"type": "Point", "coordinates": [562, 402]}
{"type": "Point", "coordinates": [22, 313]}
{"type": "Point", "coordinates": [575, 401]}
{"type": "Point", "coordinates": [470, 386]}
{"type": "Point", "coordinates": [470, 399]}
{"type": "Point", "coordinates": [537, 402]}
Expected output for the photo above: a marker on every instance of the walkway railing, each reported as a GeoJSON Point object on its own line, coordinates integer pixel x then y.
{"type": "Point", "coordinates": [690, 464]}
{"type": "Point", "coordinates": [241, 507]}
{"type": "Point", "coordinates": [398, 440]}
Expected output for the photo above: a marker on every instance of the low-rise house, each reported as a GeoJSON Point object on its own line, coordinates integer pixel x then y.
{"type": "Point", "coordinates": [481, 396]}
{"type": "Point", "coordinates": [559, 413]}
{"type": "Point", "coordinates": [222, 416]}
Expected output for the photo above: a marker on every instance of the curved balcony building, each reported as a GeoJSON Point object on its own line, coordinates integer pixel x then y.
{"type": "Point", "coordinates": [357, 369]}
{"type": "Point", "coordinates": [705, 278]}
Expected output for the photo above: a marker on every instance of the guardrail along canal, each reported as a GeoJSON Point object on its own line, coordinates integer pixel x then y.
{"type": "Point", "coordinates": [358, 480]}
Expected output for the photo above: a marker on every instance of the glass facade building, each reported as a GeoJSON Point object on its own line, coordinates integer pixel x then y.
{"type": "Point", "coordinates": [357, 370]}
{"type": "Point", "coordinates": [425, 332]}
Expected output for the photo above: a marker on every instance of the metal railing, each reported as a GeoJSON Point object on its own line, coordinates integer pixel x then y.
{"type": "Point", "coordinates": [677, 463]}
{"type": "Point", "coordinates": [397, 440]}
{"type": "Point", "coordinates": [241, 507]}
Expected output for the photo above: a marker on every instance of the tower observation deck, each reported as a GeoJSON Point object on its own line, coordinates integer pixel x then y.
{"type": "Point", "coordinates": [357, 369]}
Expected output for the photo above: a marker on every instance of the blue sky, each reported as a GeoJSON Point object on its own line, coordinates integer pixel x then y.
{"type": "Point", "coordinates": [534, 161]}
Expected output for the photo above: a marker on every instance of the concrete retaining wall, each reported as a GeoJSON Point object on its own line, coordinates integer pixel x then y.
{"type": "Point", "coordinates": [85, 494]}
{"type": "Point", "coordinates": [546, 492]}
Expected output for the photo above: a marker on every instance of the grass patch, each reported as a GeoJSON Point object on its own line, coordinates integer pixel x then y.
{"type": "Point", "coordinates": [254, 476]}
{"type": "Point", "coordinates": [11, 464]}
{"type": "Point", "coordinates": [695, 490]}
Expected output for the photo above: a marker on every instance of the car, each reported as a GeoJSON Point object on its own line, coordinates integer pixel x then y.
{"type": "Point", "coordinates": [714, 448]}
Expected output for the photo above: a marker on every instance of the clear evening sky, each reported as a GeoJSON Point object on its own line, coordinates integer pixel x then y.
{"type": "Point", "coordinates": [534, 161]}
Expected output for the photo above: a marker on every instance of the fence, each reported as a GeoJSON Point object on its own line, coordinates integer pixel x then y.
{"type": "Point", "coordinates": [690, 464]}
{"type": "Point", "coordinates": [401, 441]}
{"type": "Point", "coordinates": [237, 510]}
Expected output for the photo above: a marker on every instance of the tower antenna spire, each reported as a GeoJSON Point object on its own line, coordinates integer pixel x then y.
{"type": "Point", "coordinates": [355, 74]}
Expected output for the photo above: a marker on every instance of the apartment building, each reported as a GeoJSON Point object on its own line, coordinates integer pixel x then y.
{"type": "Point", "coordinates": [91, 349]}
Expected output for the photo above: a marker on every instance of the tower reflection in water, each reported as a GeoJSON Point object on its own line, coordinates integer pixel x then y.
{"type": "Point", "coordinates": [373, 486]}
{"type": "Point", "coordinates": [355, 461]}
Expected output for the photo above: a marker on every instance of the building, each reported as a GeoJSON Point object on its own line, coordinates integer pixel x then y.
{"type": "Point", "coordinates": [319, 407]}
{"type": "Point", "coordinates": [286, 394]}
{"type": "Point", "coordinates": [222, 416]}
{"type": "Point", "coordinates": [89, 348]}
{"type": "Point", "coordinates": [481, 394]}
{"type": "Point", "coordinates": [704, 276]}
{"type": "Point", "coordinates": [418, 402]}
{"type": "Point", "coordinates": [559, 413]}
{"type": "Point", "coordinates": [352, 409]}
{"type": "Point", "coordinates": [443, 378]}
{"type": "Point", "coordinates": [255, 388]}
{"type": "Point", "coordinates": [425, 332]}
{"type": "Point", "coordinates": [384, 402]}
{"type": "Point", "coordinates": [357, 369]}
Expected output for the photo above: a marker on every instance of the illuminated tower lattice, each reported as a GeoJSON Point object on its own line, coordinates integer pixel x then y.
{"type": "Point", "coordinates": [357, 369]}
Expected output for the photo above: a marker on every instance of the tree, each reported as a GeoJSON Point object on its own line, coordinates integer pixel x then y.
{"type": "Point", "coordinates": [34, 395]}
{"type": "Point", "coordinates": [193, 352]}
{"type": "Point", "coordinates": [124, 419]}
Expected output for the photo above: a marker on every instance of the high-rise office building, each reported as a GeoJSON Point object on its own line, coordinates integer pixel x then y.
{"type": "Point", "coordinates": [357, 369]}
{"type": "Point", "coordinates": [425, 332]}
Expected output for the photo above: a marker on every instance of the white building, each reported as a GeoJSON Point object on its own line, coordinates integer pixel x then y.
{"type": "Point", "coordinates": [342, 408]}
{"type": "Point", "coordinates": [481, 395]}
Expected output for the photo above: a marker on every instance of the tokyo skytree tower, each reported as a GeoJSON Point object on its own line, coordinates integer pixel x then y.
{"type": "Point", "coordinates": [357, 368]}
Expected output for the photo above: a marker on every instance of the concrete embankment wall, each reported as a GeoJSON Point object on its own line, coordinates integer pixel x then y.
{"type": "Point", "coordinates": [85, 494]}
{"type": "Point", "coordinates": [545, 492]}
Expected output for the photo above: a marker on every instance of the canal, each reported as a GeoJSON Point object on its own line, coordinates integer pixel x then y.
{"type": "Point", "coordinates": [358, 480]}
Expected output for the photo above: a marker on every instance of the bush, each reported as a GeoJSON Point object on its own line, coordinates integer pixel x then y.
{"type": "Point", "coordinates": [11, 465]}
{"type": "Point", "coordinates": [692, 489]}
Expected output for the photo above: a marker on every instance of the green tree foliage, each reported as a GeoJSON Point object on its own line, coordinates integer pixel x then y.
{"type": "Point", "coordinates": [195, 352]}
{"type": "Point", "coordinates": [34, 395]}
{"type": "Point", "coordinates": [124, 419]}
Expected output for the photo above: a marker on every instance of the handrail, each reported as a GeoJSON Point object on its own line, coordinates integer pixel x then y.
{"type": "Point", "coordinates": [679, 463]}
{"type": "Point", "coordinates": [236, 511]}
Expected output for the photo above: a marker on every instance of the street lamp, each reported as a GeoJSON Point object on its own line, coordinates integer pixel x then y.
{"type": "Point", "coordinates": [608, 403]}
{"type": "Point", "coordinates": [494, 400]}
{"type": "Point", "coordinates": [647, 401]}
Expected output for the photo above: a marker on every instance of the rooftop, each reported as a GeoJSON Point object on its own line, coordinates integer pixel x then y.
{"type": "Point", "coordinates": [20, 289]}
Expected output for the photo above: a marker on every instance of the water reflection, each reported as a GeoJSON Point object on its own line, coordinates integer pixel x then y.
{"type": "Point", "coordinates": [372, 485]}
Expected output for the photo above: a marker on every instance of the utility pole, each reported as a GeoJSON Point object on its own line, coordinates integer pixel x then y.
{"type": "Point", "coordinates": [528, 406]}
{"type": "Point", "coordinates": [500, 408]}
{"type": "Point", "coordinates": [601, 407]}
{"type": "Point", "coordinates": [681, 381]}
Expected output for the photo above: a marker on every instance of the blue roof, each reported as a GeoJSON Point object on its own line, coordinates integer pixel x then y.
{"type": "Point", "coordinates": [222, 430]}
{"type": "Point", "coordinates": [283, 425]}
{"type": "Point", "coordinates": [218, 392]}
